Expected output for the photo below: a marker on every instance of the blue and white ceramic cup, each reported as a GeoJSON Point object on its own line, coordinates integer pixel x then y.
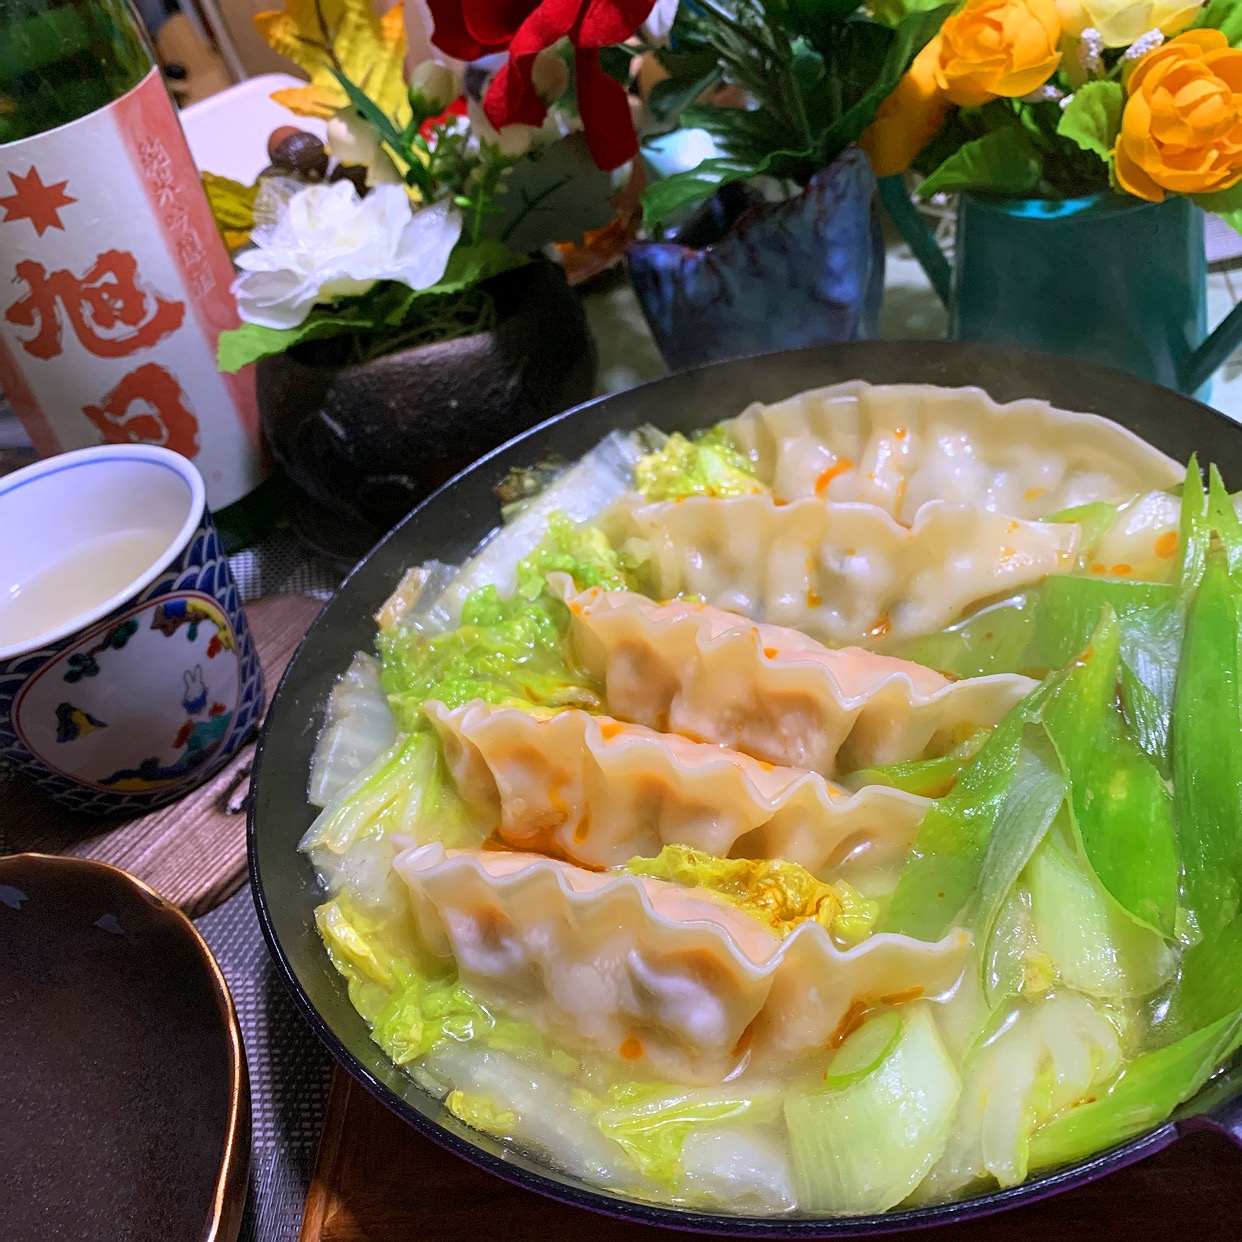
{"type": "Point", "coordinates": [127, 672]}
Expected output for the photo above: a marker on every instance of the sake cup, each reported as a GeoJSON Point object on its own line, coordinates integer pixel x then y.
{"type": "Point", "coordinates": [128, 674]}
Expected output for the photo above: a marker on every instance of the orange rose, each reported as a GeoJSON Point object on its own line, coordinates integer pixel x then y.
{"type": "Point", "coordinates": [909, 117]}
{"type": "Point", "coordinates": [998, 47]}
{"type": "Point", "coordinates": [1181, 130]}
{"type": "Point", "coordinates": [987, 49]}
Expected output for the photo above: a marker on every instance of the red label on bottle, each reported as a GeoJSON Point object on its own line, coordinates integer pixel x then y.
{"type": "Point", "coordinates": [114, 288]}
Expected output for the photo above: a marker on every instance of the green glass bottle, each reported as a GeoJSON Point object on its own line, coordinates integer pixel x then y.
{"type": "Point", "coordinates": [114, 283]}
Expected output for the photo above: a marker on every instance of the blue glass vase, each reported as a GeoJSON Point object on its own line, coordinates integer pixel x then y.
{"type": "Point", "coordinates": [747, 277]}
{"type": "Point", "coordinates": [1106, 278]}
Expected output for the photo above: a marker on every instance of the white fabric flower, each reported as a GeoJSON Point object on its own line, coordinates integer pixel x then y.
{"type": "Point", "coordinates": [660, 20]}
{"type": "Point", "coordinates": [329, 243]}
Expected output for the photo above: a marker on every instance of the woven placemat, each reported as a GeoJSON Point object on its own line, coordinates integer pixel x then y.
{"type": "Point", "coordinates": [192, 852]}
{"type": "Point", "coordinates": [290, 1071]}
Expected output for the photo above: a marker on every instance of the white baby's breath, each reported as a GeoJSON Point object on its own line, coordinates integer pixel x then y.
{"type": "Point", "coordinates": [1146, 43]}
{"type": "Point", "coordinates": [1091, 51]}
{"type": "Point", "coordinates": [329, 243]}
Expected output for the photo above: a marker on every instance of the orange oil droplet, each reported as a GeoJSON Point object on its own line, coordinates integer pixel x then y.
{"type": "Point", "coordinates": [631, 1049]}
{"type": "Point", "coordinates": [851, 1020]}
{"type": "Point", "coordinates": [1033, 493]}
{"type": "Point", "coordinates": [1097, 568]}
{"type": "Point", "coordinates": [1122, 570]}
{"type": "Point", "coordinates": [838, 467]}
{"type": "Point", "coordinates": [903, 997]}
{"type": "Point", "coordinates": [770, 652]}
{"type": "Point", "coordinates": [1166, 545]}
{"type": "Point", "coordinates": [813, 599]}
{"type": "Point", "coordinates": [899, 433]}
{"type": "Point", "coordinates": [881, 627]}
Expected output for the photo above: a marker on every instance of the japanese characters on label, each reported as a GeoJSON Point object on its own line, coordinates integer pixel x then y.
{"type": "Point", "coordinates": [113, 288]}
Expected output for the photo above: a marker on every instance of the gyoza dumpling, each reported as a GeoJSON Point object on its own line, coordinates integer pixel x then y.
{"type": "Point", "coordinates": [678, 981]}
{"type": "Point", "coordinates": [599, 792]}
{"type": "Point", "coordinates": [769, 691]}
{"type": "Point", "coordinates": [842, 572]}
{"type": "Point", "coordinates": [899, 446]}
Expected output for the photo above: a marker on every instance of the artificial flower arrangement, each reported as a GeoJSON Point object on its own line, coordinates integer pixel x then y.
{"type": "Point", "coordinates": [807, 78]}
{"type": "Point", "coordinates": [1069, 98]}
{"type": "Point", "coordinates": [385, 236]}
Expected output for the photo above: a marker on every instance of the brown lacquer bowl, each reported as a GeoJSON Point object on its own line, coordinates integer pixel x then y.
{"type": "Point", "coordinates": [452, 523]}
{"type": "Point", "coordinates": [124, 1098]}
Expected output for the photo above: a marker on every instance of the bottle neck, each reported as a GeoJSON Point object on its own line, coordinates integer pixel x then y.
{"type": "Point", "coordinates": [64, 59]}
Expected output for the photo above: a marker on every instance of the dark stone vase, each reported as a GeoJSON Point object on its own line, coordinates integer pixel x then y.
{"type": "Point", "coordinates": [747, 277]}
{"type": "Point", "coordinates": [363, 443]}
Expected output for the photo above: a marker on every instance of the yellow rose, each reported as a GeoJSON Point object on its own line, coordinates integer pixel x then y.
{"type": "Point", "coordinates": [987, 49]}
{"type": "Point", "coordinates": [998, 47]}
{"type": "Point", "coordinates": [1181, 130]}
{"type": "Point", "coordinates": [1121, 22]}
{"type": "Point", "coordinates": [909, 117]}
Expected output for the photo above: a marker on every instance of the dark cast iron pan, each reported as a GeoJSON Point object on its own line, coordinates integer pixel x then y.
{"type": "Point", "coordinates": [454, 521]}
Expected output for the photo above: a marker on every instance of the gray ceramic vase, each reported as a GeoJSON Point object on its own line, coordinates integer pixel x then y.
{"type": "Point", "coordinates": [746, 277]}
{"type": "Point", "coordinates": [363, 443]}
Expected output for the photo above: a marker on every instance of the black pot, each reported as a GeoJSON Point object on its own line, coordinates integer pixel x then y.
{"type": "Point", "coordinates": [451, 525]}
{"type": "Point", "coordinates": [364, 443]}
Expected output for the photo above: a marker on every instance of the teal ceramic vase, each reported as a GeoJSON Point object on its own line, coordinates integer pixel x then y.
{"type": "Point", "coordinates": [1105, 278]}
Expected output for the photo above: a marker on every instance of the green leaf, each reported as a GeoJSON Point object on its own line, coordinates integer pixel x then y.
{"type": "Point", "coordinates": [239, 347]}
{"type": "Point", "coordinates": [384, 126]}
{"type": "Point", "coordinates": [929, 778]}
{"type": "Point", "coordinates": [1224, 518]}
{"type": "Point", "coordinates": [744, 135]}
{"type": "Point", "coordinates": [894, 12]}
{"type": "Point", "coordinates": [1122, 809]}
{"type": "Point", "coordinates": [1222, 15]}
{"type": "Point", "coordinates": [993, 640]}
{"type": "Point", "coordinates": [1003, 161]}
{"type": "Point", "coordinates": [698, 184]}
{"type": "Point", "coordinates": [1210, 982]}
{"type": "Point", "coordinates": [912, 35]}
{"type": "Point", "coordinates": [1233, 219]}
{"type": "Point", "coordinates": [1032, 801]}
{"type": "Point", "coordinates": [668, 98]}
{"type": "Point", "coordinates": [1207, 752]}
{"type": "Point", "coordinates": [954, 841]}
{"type": "Point", "coordinates": [1148, 1090]}
{"type": "Point", "coordinates": [468, 265]}
{"type": "Point", "coordinates": [1070, 609]}
{"type": "Point", "coordinates": [814, 19]}
{"type": "Point", "coordinates": [617, 62]}
{"type": "Point", "coordinates": [806, 68]}
{"type": "Point", "coordinates": [1222, 203]}
{"type": "Point", "coordinates": [1092, 118]}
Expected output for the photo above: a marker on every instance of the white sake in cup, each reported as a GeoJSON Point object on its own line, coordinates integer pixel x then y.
{"type": "Point", "coordinates": [127, 672]}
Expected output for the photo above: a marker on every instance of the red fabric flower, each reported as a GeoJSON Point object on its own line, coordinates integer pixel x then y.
{"type": "Point", "coordinates": [469, 29]}
{"type": "Point", "coordinates": [456, 108]}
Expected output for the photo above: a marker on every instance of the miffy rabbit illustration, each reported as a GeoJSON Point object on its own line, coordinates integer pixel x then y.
{"type": "Point", "coordinates": [195, 699]}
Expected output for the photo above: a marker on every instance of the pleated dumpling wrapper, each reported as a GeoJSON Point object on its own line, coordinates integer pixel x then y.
{"type": "Point", "coordinates": [769, 691]}
{"type": "Point", "coordinates": [677, 981]}
{"type": "Point", "coordinates": [599, 792]}
{"type": "Point", "coordinates": [898, 446]}
{"type": "Point", "coordinates": [841, 572]}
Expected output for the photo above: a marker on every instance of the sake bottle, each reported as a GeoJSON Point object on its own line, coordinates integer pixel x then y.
{"type": "Point", "coordinates": [114, 281]}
